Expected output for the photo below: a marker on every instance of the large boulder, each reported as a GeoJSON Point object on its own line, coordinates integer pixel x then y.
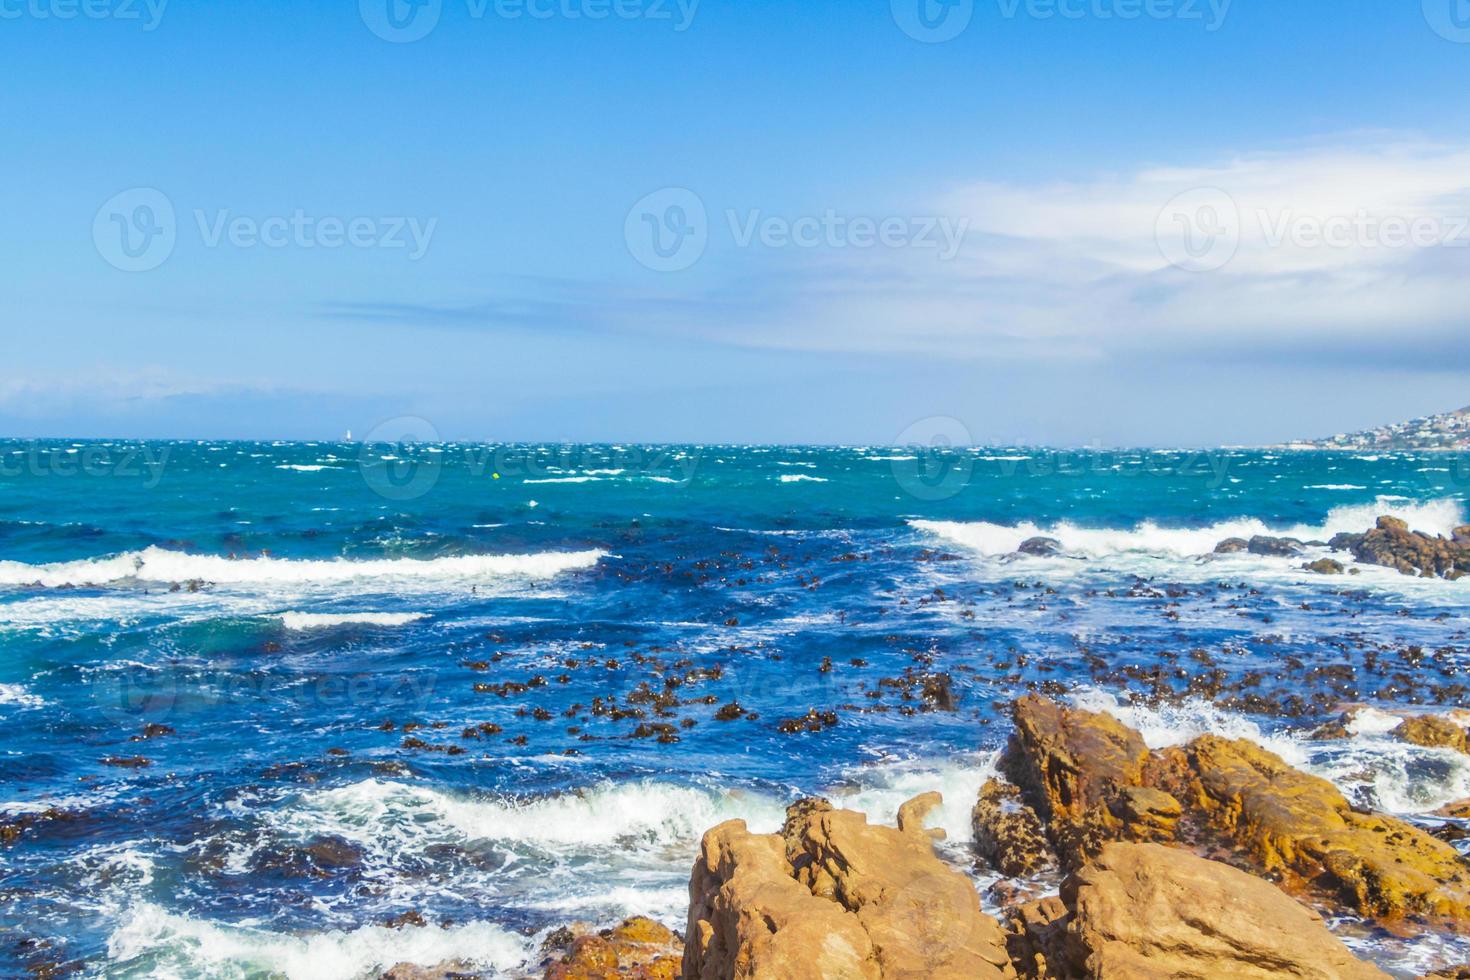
{"type": "Point", "coordinates": [1292, 822]}
{"type": "Point", "coordinates": [833, 896]}
{"type": "Point", "coordinates": [1144, 911]}
{"type": "Point", "coordinates": [1083, 773]}
{"type": "Point", "coordinates": [1092, 781]}
{"type": "Point", "coordinates": [1393, 545]}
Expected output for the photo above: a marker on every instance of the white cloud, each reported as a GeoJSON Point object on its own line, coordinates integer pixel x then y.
{"type": "Point", "coordinates": [1081, 270]}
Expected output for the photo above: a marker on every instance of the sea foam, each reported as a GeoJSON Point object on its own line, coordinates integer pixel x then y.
{"type": "Point", "coordinates": [161, 565]}
{"type": "Point", "coordinates": [150, 941]}
{"type": "Point", "coordinates": [1434, 517]}
{"type": "Point", "coordinates": [308, 621]}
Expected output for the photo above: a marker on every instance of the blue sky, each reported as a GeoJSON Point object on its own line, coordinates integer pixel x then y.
{"type": "Point", "coordinates": [499, 170]}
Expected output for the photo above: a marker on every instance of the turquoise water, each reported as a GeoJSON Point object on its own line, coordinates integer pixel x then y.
{"type": "Point", "coordinates": [319, 627]}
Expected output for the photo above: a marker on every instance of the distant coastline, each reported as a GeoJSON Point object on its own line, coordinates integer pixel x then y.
{"type": "Point", "coordinates": [1447, 432]}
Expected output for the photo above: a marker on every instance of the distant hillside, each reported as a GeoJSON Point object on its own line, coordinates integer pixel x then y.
{"type": "Point", "coordinates": [1448, 431]}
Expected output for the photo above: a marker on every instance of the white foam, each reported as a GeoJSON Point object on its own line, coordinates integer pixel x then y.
{"type": "Point", "coordinates": [304, 468]}
{"type": "Point", "coordinates": [610, 815]}
{"type": "Point", "coordinates": [169, 945]}
{"type": "Point", "coordinates": [801, 478]}
{"type": "Point", "coordinates": [18, 695]}
{"type": "Point", "coordinates": [160, 565]}
{"type": "Point", "coordinates": [566, 479]}
{"type": "Point", "coordinates": [1371, 721]}
{"type": "Point", "coordinates": [1433, 517]}
{"type": "Point", "coordinates": [307, 621]}
{"type": "Point", "coordinates": [880, 789]}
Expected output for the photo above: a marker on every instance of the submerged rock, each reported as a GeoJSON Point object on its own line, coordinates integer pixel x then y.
{"type": "Point", "coordinates": [1433, 731]}
{"type": "Point", "coordinates": [1146, 911]}
{"type": "Point", "coordinates": [1274, 547]}
{"type": "Point", "coordinates": [1326, 566]}
{"type": "Point", "coordinates": [1040, 547]}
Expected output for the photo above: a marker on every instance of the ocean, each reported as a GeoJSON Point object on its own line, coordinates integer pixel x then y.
{"type": "Point", "coordinates": [261, 699]}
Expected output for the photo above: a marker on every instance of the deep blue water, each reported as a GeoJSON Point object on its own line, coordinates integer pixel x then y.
{"type": "Point", "coordinates": [320, 626]}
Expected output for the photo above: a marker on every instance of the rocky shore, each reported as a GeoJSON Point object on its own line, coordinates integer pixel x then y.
{"type": "Point", "coordinates": [1390, 543]}
{"type": "Point", "coordinates": [1213, 859]}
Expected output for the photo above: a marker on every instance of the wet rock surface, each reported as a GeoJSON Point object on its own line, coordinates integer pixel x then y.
{"type": "Point", "coordinates": [1392, 544]}
{"type": "Point", "coordinates": [1145, 910]}
{"type": "Point", "coordinates": [638, 949]}
{"type": "Point", "coordinates": [1092, 780]}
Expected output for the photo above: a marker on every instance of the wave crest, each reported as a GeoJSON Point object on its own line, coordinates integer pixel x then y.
{"type": "Point", "coordinates": [156, 564]}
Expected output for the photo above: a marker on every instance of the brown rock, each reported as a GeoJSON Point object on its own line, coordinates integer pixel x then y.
{"type": "Point", "coordinates": [1293, 822]}
{"type": "Point", "coordinates": [1080, 771]}
{"type": "Point", "coordinates": [1393, 545]}
{"type": "Point", "coordinates": [1459, 810]}
{"type": "Point", "coordinates": [1147, 911]}
{"type": "Point", "coordinates": [748, 917]}
{"type": "Point", "coordinates": [639, 949]}
{"type": "Point", "coordinates": [448, 970]}
{"type": "Point", "coordinates": [1433, 731]}
{"type": "Point", "coordinates": [923, 918]}
{"type": "Point", "coordinates": [836, 897]}
{"type": "Point", "coordinates": [1008, 834]}
{"type": "Point", "coordinates": [1326, 566]}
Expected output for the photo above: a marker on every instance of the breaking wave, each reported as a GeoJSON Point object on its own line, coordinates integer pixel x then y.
{"type": "Point", "coordinates": [1434, 517]}
{"type": "Point", "coordinates": [161, 565]}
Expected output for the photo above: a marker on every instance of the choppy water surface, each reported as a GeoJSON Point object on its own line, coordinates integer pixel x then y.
{"type": "Point", "coordinates": [260, 699]}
